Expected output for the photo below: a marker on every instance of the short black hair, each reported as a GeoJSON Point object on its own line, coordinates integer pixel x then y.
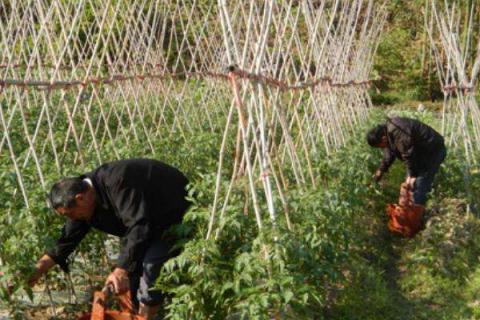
{"type": "Point", "coordinates": [375, 135]}
{"type": "Point", "coordinates": [63, 192]}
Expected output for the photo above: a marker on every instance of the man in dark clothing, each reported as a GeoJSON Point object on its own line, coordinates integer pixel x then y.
{"type": "Point", "coordinates": [136, 200]}
{"type": "Point", "coordinates": [419, 146]}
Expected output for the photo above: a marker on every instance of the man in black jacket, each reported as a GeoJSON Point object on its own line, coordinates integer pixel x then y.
{"type": "Point", "coordinates": [136, 200]}
{"type": "Point", "coordinates": [419, 146]}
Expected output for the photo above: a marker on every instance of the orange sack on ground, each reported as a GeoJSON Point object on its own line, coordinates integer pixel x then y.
{"type": "Point", "coordinates": [100, 310]}
{"type": "Point", "coordinates": [405, 217]}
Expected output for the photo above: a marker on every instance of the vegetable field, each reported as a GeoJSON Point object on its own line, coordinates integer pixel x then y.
{"type": "Point", "coordinates": [264, 105]}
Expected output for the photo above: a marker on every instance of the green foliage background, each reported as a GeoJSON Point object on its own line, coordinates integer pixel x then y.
{"type": "Point", "coordinates": [404, 60]}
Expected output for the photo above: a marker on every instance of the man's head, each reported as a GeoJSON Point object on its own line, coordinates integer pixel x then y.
{"type": "Point", "coordinates": [73, 198]}
{"type": "Point", "coordinates": [377, 136]}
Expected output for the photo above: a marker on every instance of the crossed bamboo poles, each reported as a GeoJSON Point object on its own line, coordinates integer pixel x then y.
{"type": "Point", "coordinates": [112, 73]}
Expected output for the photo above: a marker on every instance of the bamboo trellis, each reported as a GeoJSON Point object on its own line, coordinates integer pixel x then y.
{"type": "Point", "coordinates": [81, 77]}
{"type": "Point", "coordinates": [453, 30]}
{"type": "Point", "coordinates": [83, 81]}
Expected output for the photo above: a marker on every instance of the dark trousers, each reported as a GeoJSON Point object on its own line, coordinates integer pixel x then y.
{"type": "Point", "coordinates": [424, 181]}
{"type": "Point", "coordinates": [142, 281]}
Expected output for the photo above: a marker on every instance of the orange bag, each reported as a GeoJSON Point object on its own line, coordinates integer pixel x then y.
{"type": "Point", "coordinates": [406, 217]}
{"type": "Point", "coordinates": [100, 309]}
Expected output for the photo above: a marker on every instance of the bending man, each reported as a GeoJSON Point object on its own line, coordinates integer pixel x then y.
{"type": "Point", "coordinates": [136, 200]}
{"type": "Point", "coordinates": [419, 146]}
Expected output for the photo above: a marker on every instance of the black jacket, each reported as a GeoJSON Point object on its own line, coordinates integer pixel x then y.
{"type": "Point", "coordinates": [413, 142]}
{"type": "Point", "coordinates": [137, 200]}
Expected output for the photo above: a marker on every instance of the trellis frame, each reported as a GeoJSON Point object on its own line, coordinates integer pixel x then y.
{"type": "Point", "coordinates": [294, 74]}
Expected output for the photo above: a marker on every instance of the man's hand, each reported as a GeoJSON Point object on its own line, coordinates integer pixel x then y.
{"type": "Point", "coordinates": [377, 176]}
{"type": "Point", "coordinates": [43, 265]}
{"type": "Point", "coordinates": [119, 279]}
{"type": "Point", "coordinates": [6, 284]}
{"type": "Point", "coordinates": [411, 182]}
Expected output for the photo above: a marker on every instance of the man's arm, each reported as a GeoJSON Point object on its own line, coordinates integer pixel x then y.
{"type": "Point", "coordinates": [405, 133]}
{"type": "Point", "coordinates": [407, 151]}
{"type": "Point", "coordinates": [72, 233]}
{"type": "Point", "coordinates": [132, 207]}
{"type": "Point", "coordinates": [131, 204]}
{"type": "Point", "coordinates": [44, 264]}
{"type": "Point", "coordinates": [388, 158]}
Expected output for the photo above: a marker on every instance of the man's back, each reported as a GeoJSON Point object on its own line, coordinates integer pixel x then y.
{"type": "Point", "coordinates": [125, 186]}
{"type": "Point", "coordinates": [414, 132]}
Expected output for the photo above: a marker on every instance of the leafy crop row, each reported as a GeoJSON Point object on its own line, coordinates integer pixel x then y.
{"type": "Point", "coordinates": [338, 262]}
